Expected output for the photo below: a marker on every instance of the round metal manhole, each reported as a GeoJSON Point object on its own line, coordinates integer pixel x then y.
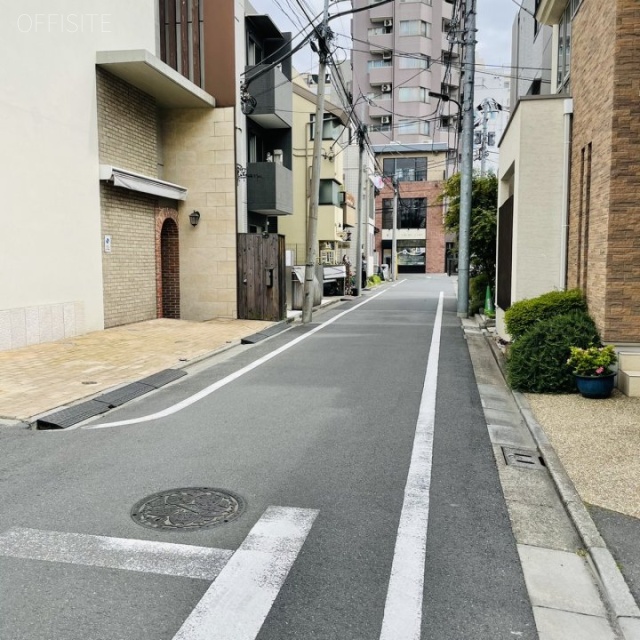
{"type": "Point", "coordinates": [188, 508]}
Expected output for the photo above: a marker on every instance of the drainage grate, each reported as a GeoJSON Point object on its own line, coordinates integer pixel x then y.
{"type": "Point", "coordinates": [67, 417]}
{"type": "Point", "coordinates": [161, 378]}
{"type": "Point", "coordinates": [265, 333]}
{"type": "Point", "coordinates": [118, 397]}
{"type": "Point", "coordinates": [188, 508]}
{"type": "Point", "coordinates": [524, 458]}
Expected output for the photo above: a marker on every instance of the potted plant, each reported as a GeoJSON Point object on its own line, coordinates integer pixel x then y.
{"type": "Point", "coordinates": [592, 370]}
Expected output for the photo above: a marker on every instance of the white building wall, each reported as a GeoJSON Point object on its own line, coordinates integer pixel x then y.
{"type": "Point", "coordinates": [50, 242]}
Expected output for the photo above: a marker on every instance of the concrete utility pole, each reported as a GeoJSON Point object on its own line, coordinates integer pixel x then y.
{"type": "Point", "coordinates": [486, 108]}
{"type": "Point", "coordinates": [466, 165]}
{"type": "Point", "coordinates": [324, 37]}
{"type": "Point", "coordinates": [394, 232]}
{"type": "Point", "coordinates": [361, 206]}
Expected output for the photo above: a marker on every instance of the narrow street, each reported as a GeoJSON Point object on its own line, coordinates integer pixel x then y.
{"type": "Point", "coordinates": [316, 442]}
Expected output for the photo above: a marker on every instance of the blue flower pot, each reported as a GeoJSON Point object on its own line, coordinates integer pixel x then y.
{"type": "Point", "coordinates": [595, 386]}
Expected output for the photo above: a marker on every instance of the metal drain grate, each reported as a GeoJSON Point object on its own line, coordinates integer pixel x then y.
{"type": "Point", "coordinates": [523, 458]}
{"type": "Point", "coordinates": [188, 508]}
{"type": "Point", "coordinates": [161, 378]}
{"type": "Point", "coordinates": [72, 415]}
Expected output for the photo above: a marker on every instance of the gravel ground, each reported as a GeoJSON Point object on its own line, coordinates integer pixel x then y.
{"type": "Point", "coordinates": [598, 442]}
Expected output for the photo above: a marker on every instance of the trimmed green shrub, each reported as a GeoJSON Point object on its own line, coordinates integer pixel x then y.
{"type": "Point", "coordinates": [477, 290]}
{"type": "Point", "coordinates": [537, 361]}
{"type": "Point", "coordinates": [524, 314]}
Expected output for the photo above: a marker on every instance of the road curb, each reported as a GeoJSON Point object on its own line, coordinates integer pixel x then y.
{"type": "Point", "coordinates": [612, 583]}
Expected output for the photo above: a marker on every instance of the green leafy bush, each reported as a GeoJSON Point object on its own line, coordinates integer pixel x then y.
{"type": "Point", "coordinates": [537, 361]}
{"type": "Point", "coordinates": [524, 314]}
{"type": "Point", "coordinates": [477, 289]}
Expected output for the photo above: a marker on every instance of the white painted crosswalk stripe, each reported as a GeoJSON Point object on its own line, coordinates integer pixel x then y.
{"type": "Point", "coordinates": [144, 556]}
{"type": "Point", "coordinates": [403, 608]}
{"type": "Point", "coordinates": [238, 602]}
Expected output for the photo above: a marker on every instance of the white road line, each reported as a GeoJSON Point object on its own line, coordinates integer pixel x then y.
{"type": "Point", "coordinates": [225, 381]}
{"type": "Point", "coordinates": [236, 604]}
{"type": "Point", "coordinates": [403, 608]}
{"type": "Point", "coordinates": [144, 556]}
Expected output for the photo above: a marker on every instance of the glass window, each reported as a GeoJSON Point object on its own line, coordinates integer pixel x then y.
{"type": "Point", "coordinates": [329, 193]}
{"type": "Point", "coordinates": [387, 213]}
{"type": "Point", "coordinates": [415, 28]}
{"type": "Point", "coordinates": [412, 213]}
{"type": "Point", "coordinates": [412, 94]}
{"type": "Point", "coordinates": [413, 62]}
{"type": "Point", "coordinates": [378, 64]}
{"type": "Point", "coordinates": [331, 129]}
{"type": "Point", "coordinates": [405, 169]}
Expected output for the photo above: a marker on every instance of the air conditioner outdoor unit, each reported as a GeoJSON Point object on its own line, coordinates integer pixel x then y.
{"type": "Point", "coordinates": [388, 22]}
{"type": "Point", "coordinates": [386, 88]}
{"type": "Point", "coordinates": [387, 55]}
{"type": "Point", "coordinates": [385, 119]}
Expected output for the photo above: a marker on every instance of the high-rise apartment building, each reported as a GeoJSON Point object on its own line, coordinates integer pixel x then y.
{"type": "Point", "coordinates": [403, 51]}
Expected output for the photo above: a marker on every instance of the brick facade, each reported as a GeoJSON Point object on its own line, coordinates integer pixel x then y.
{"type": "Point", "coordinates": [129, 270]}
{"type": "Point", "coordinates": [127, 125]}
{"type": "Point", "coordinates": [167, 264]}
{"type": "Point", "coordinates": [435, 234]}
{"type": "Point", "coordinates": [604, 235]}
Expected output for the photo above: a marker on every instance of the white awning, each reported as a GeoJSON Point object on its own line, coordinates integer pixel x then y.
{"type": "Point", "coordinates": [138, 182]}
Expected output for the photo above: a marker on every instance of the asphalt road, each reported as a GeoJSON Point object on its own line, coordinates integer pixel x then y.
{"type": "Point", "coordinates": [329, 429]}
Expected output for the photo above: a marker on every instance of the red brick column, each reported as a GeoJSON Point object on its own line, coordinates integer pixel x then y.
{"type": "Point", "coordinates": [167, 264]}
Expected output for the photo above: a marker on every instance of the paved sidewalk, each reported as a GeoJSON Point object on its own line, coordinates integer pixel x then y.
{"type": "Point", "coordinates": [590, 451]}
{"type": "Point", "coordinates": [43, 377]}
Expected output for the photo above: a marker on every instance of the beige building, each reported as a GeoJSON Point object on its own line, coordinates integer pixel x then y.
{"type": "Point", "coordinates": [336, 213]}
{"type": "Point", "coordinates": [111, 143]}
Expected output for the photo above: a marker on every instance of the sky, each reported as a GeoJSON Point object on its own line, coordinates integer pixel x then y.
{"type": "Point", "coordinates": [494, 22]}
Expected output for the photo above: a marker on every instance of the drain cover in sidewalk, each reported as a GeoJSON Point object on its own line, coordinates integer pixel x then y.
{"type": "Point", "coordinates": [188, 508]}
{"type": "Point", "coordinates": [523, 458]}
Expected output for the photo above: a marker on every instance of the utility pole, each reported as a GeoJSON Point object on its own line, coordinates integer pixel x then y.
{"type": "Point", "coordinates": [394, 232]}
{"type": "Point", "coordinates": [324, 36]}
{"type": "Point", "coordinates": [358, 269]}
{"type": "Point", "coordinates": [466, 166]}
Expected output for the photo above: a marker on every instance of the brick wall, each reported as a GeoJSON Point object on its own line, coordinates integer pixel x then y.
{"type": "Point", "coordinates": [435, 234]}
{"type": "Point", "coordinates": [604, 245]}
{"type": "Point", "coordinates": [129, 271]}
{"type": "Point", "coordinates": [127, 125]}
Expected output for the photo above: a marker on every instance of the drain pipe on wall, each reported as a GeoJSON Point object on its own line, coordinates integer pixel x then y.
{"type": "Point", "coordinates": [566, 188]}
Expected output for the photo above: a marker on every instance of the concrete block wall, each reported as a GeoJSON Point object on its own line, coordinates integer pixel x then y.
{"type": "Point", "coordinates": [604, 250]}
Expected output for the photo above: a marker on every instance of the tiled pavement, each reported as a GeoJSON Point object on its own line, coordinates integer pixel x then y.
{"type": "Point", "coordinates": [40, 378]}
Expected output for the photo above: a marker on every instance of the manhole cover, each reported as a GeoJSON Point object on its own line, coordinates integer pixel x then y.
{"type": "Point", "coordinates": [189, 508]}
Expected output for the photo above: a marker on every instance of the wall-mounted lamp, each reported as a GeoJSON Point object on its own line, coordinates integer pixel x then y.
{"type": "Point", "coordinates": [194, 218]}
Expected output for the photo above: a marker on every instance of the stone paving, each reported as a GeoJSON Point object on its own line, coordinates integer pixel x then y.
{"type": "Point", "coordinates": [40, 378]}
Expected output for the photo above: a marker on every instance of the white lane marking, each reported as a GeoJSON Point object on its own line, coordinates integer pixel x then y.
{"type": "Point", "coordinates": [403, 608]}
{"type": "Point", "coordinates": [144, 556]}
{"type": "Point", "coordinates": [236, 605]}
{"type": "Point", "coordinates": [230, 378]}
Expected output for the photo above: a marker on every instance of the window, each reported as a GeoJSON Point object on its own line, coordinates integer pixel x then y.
{"type": "Point", "coordinates": [446, 122]}
{"type": "Point", "coordinates": [331, 129]}
{"type": "Point", "coordinates": [378, 64]}
{"type": "Point", "coordinates": [412, 213]}
{"type": "Point", "coordinates": [415, 28]}
{"type": "Point", "coordinates": [380, 31]}
{"type": "Point", "coordinates": [412, 94]}
{"type": "Point", "coordinates": [329, 193]}
{"type": "Point", "coordinates": [405, 169]}
{"type": "Point", "coordinates": [406, 127]}
{"type": "Point", "coordinates": [564, 49]}
{"type": "Point", "coordinates": [414, 62]}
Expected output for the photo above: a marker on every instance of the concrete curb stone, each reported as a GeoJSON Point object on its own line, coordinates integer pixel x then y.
{"type": "Point", "coordinates": [612, 583]}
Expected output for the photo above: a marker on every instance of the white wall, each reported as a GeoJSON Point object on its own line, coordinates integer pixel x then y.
{"type": "Point", "coordinates": [50, 243]}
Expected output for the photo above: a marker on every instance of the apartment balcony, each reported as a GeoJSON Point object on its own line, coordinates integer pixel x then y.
{"type": "Point", "coordinates": [269, 189]}
{"type": "Point", "coordinates": [274, 98]}
{"type": "Point", "coordinates": [330, 219]}
{"type": "Point", "coordinates": [380, 75]}
{"type": "Point", "coordinates": [381, 12]}
{"type": "Point", "coordinates": [380, 43]}
{"type": "Point", "coordinates": [381, 106]}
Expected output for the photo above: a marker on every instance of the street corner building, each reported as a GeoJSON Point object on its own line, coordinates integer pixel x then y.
{"type": "Point", "coordinates": [124, 147]}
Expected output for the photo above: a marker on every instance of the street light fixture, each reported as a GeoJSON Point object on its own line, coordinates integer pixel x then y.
{"type": "Point", "coordinates": [446, 98]}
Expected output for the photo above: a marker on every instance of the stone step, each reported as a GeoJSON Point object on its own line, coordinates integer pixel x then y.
{"type": "Point", "coordinates": [629, 360]}
{"type": "Point", "coordinates": [629, 383]}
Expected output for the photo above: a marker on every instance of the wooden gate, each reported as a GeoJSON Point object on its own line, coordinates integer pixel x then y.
{"type": "Point", "coordinates": [262, 292]}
